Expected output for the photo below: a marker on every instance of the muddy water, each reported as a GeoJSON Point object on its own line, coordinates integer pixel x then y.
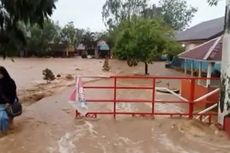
{"type": "Point", "coordinates": [48, 126]}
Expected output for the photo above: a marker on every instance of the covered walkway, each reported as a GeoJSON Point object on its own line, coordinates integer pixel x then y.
{"type": "Point", "coordinates": [209, 52]}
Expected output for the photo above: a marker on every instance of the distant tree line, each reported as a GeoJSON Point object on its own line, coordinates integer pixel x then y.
{"type": "Point", "coordinates": [41, 40]}
{"type": "Point", "coordinates": [136, 30]}
{"type": "Point", "coordinates": [26, 26]}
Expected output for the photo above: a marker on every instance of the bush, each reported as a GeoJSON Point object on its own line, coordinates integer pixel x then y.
{"type": "Point", "coordinates": [84, 54]}
{"type": "Point", "coordinates": [106, 66]}
{"type": "Point", "coordinates": [48, 75]}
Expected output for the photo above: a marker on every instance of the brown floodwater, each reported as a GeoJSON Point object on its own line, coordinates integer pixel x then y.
{"type": "Point", "coordinates": [49, 126]}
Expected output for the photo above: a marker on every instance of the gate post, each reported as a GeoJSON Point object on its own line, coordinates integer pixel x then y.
{"type": "Point", "coordinates": [191, 98]}
{"type": "Point", "coordinates": [153, 96]}
{"type": "Point", "coordinates": [224, 103]}
{"type": "Point", "coordinates": [114, 96]}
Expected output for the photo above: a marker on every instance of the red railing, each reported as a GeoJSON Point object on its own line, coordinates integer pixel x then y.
{"type": "Point", "coordinates": [190, 113]}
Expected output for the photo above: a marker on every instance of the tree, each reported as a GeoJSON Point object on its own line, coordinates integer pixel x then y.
{"type": "Point", "coordinates": [152, 12]}
{"type": "Point", "coordinates": [88, 40]}
{"type": "Point", "coordinates": [40, 38]}
{"type": "Point", "coordinates": [177, 13]}
{"type": "Point", "coordinates": [48, 75]}
{"type": "Point", "coordinates": [114, 11]}
{"type": "Point", "coordinates": [69, 34]}
{"type": "Point", "coordinates": [213, 2]}
{"type": "Point", "coordinates": [142, 40]}
{"type": "Point", "coordinates": [79, 35]}
{"type": "Point", "coordinates": [28, 12]}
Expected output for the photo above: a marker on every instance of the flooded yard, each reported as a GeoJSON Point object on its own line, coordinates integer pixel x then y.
{"type": "Point", "coordinates": [48, 125]}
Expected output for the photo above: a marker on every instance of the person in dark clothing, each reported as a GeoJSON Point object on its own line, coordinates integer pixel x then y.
{"type": "Point", "coordinates": [8, 93]}
{"type": "Point", "coordinates": [7, 87]}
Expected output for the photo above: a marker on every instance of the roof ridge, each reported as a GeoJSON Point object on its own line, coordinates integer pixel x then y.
{"type": "Point", "coordinates": [197, 46]}
{"type": "Point", "coordinates": [211, 48]}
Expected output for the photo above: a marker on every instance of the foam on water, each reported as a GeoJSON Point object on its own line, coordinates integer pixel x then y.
{"type": "Point", "coordinates": [65, 143]}
{"type": "Point", "coordinates": [125, 107]}
{"type": "Point", "coordinates": [170, 145]}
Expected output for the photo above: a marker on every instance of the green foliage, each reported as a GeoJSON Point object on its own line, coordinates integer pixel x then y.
{"type": "Point", "coordinates": [177, 13]}
{"type": "Point", "coordinates": [115, 11]}
{"type": "Point", "coordinates": [89, 40]}
{"type": "Point", "coordinates": [173, 48]}
{"type": "Point", "coordinates": [26, 11]}
{"type": "Point", "coordinates": [143, 40]}
{"type": "Point", "coordinates": [39, 39]}
{"type": "Point", "coordinates": [152, 12]}
{"type": "Point", "coordinates": [79, 35]}
{"type": "Point", "coordinates": [11, 40]}
{"type": "Point", "coordinates": [48, 75]}
{"type": "Point", "coordinates": [12, 12]}
{"type": "Point", "coordinates": [69, 34]}
{"type": "Point", "coordinates": [213, 2]}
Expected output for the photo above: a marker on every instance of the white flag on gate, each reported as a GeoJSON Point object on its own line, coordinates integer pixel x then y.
{"type": "Point", "coordinates": [77, 98]}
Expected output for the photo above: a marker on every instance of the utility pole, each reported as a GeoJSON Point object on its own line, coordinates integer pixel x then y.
{"type": "Point", "coordinates": [224, 103]}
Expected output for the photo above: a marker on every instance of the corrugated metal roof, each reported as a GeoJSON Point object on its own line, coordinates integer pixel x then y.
{"type": "Point", "coordinates": [203, 31]}
{"type": "Point", "coordinates": [211, 50]}
{"type": "Point", "coordinates": [102, 45]}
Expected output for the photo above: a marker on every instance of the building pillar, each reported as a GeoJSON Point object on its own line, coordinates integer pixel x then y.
{"type": "Point", "coordinates": [200, 72]}
{"type": "Point", "coordinates": [209, 73]}
{"type": "Point", "coordinates": [96, 53]}
{"type": "Point", "coordinates": [185, 66]}
{"type": "Point", "coordinates": [192, 68]}
{"type": "Point", "coordinates": [224, 103]}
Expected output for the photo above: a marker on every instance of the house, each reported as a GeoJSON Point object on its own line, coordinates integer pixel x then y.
{"type": "Point", "coordinates": [203, 56]}
{"type": "Point", "coordinates": [80, 49]}
{"type": "Point", "coordinates": [209, 53]}
{"type": "Point", "coordinates": [61, 50]}
{"type": "Point", "coordinates": [210, 34]}
{"type": "Point", "coordinates": [102, 50]}
{"type": "Point", "coordinates": [196, 36]}
{"type": "Point", "coordinates": [201, 33]}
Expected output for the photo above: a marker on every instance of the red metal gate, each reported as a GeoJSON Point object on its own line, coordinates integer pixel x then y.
{"type": "Point", "coordinates": [190, 100]}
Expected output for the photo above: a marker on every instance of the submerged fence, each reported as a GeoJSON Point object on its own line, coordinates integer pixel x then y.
{"type": "Point", "coordinates": [188, 93]}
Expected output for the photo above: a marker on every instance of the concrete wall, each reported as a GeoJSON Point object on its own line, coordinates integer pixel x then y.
{"type": "Point", "coordinates": [227, 125]}
{"type": "Point", "coordinates": [198, 92]}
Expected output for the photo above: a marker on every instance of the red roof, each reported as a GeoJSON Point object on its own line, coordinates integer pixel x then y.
{"type": "Point", "coordinates": [211, 50]}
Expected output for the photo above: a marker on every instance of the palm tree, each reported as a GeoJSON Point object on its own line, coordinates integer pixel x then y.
{"type": "Point", "coordinates": [89, 40]}
{"type": "Point", "coordinates": [14, 12]}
